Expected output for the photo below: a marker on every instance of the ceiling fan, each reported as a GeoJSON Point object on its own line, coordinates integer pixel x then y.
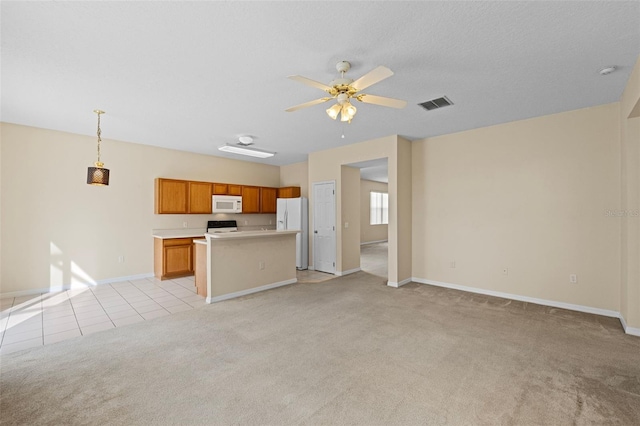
{"type": "Point", "coordinates": [343, 90]}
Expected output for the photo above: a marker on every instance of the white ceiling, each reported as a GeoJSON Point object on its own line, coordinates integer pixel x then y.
{"type": "Point", "coordinates": [195, 75]}
{"type": "Point", "coordinates": [375, 170]}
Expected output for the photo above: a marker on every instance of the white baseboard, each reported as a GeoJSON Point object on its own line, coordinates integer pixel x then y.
{"type": "Point", "coordinates": [580, 308]}
{"type": "Point", "coordinates": [629, 330]}
{"type": "Point", "coordinates": [373, 242]}
{"type": "Point", "coordinates": [350, 271]}
{"type": "Point", "coordinates": [74, 286]}
{"type": "Point", "coordinates": [400, 284]}
{"type": "Point", "coordinates": [552, 303]}
{"type": "Point", "coordinates": [250, 291]}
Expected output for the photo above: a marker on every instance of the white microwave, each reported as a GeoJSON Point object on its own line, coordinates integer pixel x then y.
{"type": "Point", "coordinates": [226, 204]}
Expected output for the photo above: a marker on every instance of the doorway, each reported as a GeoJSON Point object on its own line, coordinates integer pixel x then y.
{"type": "Point", "coordinates": [374, 218]}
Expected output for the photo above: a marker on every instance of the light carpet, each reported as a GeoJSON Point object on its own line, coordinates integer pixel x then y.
{"type": "Point", "coordinates": [345, 351]}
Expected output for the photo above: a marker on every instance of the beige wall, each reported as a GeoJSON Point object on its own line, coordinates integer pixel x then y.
{"type": "Point", "coordinates": [57, 230]}
{"type": "Point", "coordinates": [296, 175]}
{"type": "Point", "coordinates": [326, 166]}
{"type": "Point", "coordinates": [350, 207]}
{"type": "Point", "coordinates": [369, 233]}
{"type": "Point", "coordinates": [529, 196]}
{"type": "Point", "coordinates": [630, 200]}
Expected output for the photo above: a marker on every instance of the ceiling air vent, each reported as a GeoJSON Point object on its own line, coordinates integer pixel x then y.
{"type": "Point", "coordinates": [436, 103]}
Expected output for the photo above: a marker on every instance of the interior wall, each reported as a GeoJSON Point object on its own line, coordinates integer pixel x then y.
{"type": "Point", "coordinates": [368, 232]}
{"type": "Point", "coordinates": [629, 214]}
{"type": "Point", "coordinates": [326, 166]}
{"type": "Point", "coordinates": [296, 175]}
{"type": "Point", "coordinates": [57, 230]}
{"type": "Point", "coordinates": [350, 206]}
{"type": "Point", "coordinates": [529, 196]}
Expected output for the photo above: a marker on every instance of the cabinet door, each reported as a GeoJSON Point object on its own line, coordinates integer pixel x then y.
{"type": "Point", "coordinates": [178, 260]}
{"type": "Point", "coordinates": [220, 189]}
{"type": "Point", "coordinates": [250, 199]}
{"type": "Point", "coordinates": [171, 196]}
{"type": "Point", "coordinates": [268, 200]}
{"type": "Point", "coordinates": [200, 197]}
{"type": "Point", "coordinates": [235, 189]}
{"type": "Point", "coordinates": [289, 192]}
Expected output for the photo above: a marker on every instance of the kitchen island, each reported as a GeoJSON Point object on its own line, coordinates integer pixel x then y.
{"type": "Point", "coordinates": [241, 263]}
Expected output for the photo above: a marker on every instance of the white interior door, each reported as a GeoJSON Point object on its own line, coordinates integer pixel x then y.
{"type": "Point", "coordinates": [324, 227]}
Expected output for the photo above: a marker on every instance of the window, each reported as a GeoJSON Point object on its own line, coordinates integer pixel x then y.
{"type": "Point", "coordinates": [379, 208]}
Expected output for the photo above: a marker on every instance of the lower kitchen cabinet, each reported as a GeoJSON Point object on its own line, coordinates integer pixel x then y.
{"type": "Point", "coordinates": [173, 257]}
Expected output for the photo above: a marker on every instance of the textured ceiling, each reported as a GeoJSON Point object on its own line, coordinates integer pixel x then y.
{"type": "Point", "coordinates": [195, 75]}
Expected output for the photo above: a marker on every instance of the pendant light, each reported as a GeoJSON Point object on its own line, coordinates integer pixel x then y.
{"type": "Point", "coordinates": [98, 175]}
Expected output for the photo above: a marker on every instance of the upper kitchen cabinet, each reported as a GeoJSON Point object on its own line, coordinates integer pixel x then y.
{"type": "Point", "coordinates": [200, 197]}
{"type": "Point", "coordinates": [268, 198]}
{"type": "Point", "coordinates": [172, 196]}
{"type": "Point", "coordinates": [235, 189]}
{"type": "Point", "coordinates": [220, 189]}
{"type": "Point", "coordinates": [289, 192]}
{"type": "Point", "coordinates": [227, 189]}
{"type": "Point", "coordinates": [250, 199]}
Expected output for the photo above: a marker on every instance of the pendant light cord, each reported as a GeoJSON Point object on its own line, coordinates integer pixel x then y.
{"type": "Point", "coordinates": [99, 133]}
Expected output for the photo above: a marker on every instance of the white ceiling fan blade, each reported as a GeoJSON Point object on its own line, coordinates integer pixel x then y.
{"type": "Point", "coordinates": [381, 100]}
{"type": "Point", "coordinates": [307, 104]}
{"type": "Point", "coordinates": [372, 77]}
{"type": "Point", "coordinates": [309, 82]}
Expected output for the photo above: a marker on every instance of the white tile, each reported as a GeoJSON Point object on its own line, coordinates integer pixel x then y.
{"type": "Point", "coordinates": [122, 314]}
{"type": "Point", "coordinates": [164, 299]}
{"type": "Point", "coordinates": [83, 303]}
{"type": "Point", "coordinates": [58, 337]}
{"type": "Point", "coordinates": [26, 326]}
{"type": "Point", "coordinates": [179, 308]}
{"type": "Point", "coordinates": [115, 305]}
{"type": "Point", "coordinates": [83, 322]}
{"type": "Point", "coordinates": [148, 308]}
{"type": "Point", "coordinates": [10, 337]}
{"type": "Point", "coordinates": [170, 302]}
{"type": "Point", "coordinates": [119, 322]}
{"type": "Point", "coordinates": [23, 319]}
{"type": "Point", "coordinates": [87, 308]}
{"type": "Point", "coordinates": [117, 308]}
{"type": "Point", "coordinates": [58, 314]}
{"type": "Point", "coordinates": [89, 314]}
{"type": "Point", "coordinates": [59, 328]}
{"type": "Point", "coordinates": [155, 314]}
{"type": "Point", "coordinates": [141, 303]}
{"type": "Point", "coordinates": [57, 321]}
{"type": "Point", "coordinates": [140, 298]}
{"type": "Point", "coordinates": [6, 349]}
{"type": "Point", "coordinates": [96, 327]}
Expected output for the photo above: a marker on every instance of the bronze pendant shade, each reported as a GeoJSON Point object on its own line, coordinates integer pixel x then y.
{"type": "Point", "coordinates": [98, 175]}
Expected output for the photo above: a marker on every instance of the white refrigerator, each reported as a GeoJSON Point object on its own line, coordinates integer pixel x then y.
{"type": "Point", "coordinates": [293, 213]}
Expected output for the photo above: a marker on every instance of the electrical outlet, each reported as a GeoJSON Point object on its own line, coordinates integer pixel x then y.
{"type": "Point", "coordinates": [120, 259]}
{"type": "Point", "coordinates": [453, 264]}
{"type": "Point", "coordinates": [573, 278]}
{"type": "Point", "coordinates": [246, 222]}
{"type": "Point", "coordinates": [185, 224]}
{"type": "Point", "coordinates": [346, 224]}
{"type": "Point", "coordinates": [270, 222]}
{"type": "Point", "coordinates": [261, 265]}
{"type": "Point", "coordinates": [505, 271]}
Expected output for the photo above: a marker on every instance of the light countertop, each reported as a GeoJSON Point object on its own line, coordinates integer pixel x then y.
{"type": "Point", "coordinates": [178, 233]}
{"type": "Point", "coordinates": [249, 234]}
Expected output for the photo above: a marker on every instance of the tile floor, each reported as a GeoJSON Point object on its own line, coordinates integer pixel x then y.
{"type": "Point", "coordinates": [36, 320]}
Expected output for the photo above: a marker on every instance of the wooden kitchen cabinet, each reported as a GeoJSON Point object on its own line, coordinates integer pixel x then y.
{"type": "Point", "coordinates": [173, 257]}
{"type": "Point", "coordinates": [200, 197]}
{"type": "Point", "coordinates": [220, 189]}
{"type": "Point", "coordinates": [268, 198]}
{"type": "Point", "coordinates": [235, 189]}
{"type": "Point", "coordinates": [171, 196]}
{"type": "Point", "coordinates": [289, 192]}
{"type": "Point", "coordinates": [250, 199]}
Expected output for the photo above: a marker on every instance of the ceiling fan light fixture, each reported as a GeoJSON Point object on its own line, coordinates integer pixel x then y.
{"type": "Point", "coordinates": [334, 111]}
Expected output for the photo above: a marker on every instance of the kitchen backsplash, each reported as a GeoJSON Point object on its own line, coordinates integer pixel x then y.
{"type": "Point", "coordinates": [246, 222]}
